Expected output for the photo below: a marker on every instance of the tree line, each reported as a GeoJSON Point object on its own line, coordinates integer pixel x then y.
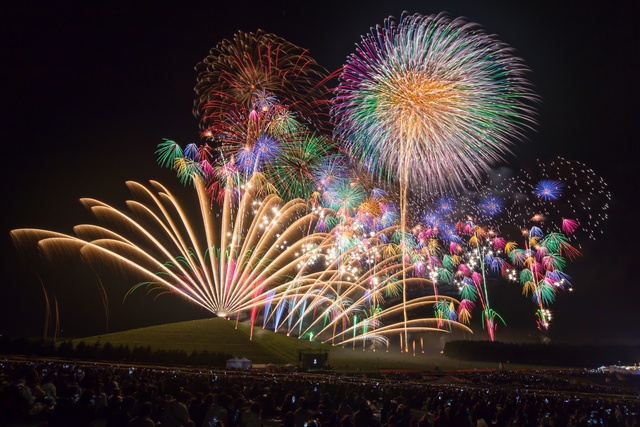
{"type": "Point", "coordinates": [543, 354]}
{"type": "Point", "coordinates": [108, 352]}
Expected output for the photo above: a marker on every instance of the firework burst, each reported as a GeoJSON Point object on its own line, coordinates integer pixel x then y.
{"type": "Point", "coordinates": [431, 100]}
{"type": "Point", "coordinates": [258, 65]}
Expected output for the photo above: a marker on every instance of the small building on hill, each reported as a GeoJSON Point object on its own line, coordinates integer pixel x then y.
{"type": "Point", "coordinates": [313, 359]}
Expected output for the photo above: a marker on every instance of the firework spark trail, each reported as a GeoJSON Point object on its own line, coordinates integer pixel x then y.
{"type": "Point", "coordinates": [342, 288]}
{"type": "Point", "coordinates": [482, 256]}
{"type": "Point", "coordinates": [211, 283]}
{"type": "Point", "coordinates": [256, 253]}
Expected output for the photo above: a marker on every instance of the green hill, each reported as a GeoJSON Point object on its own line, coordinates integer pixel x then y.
{"type": "Point", "coordinates": [218, 335]}
{"type": "Point", "coordinates": [221, 335]}
{"type": "Point", "coordinates": [214, 335]}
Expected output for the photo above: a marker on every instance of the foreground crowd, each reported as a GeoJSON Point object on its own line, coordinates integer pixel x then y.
{"type": "Point", "coordinates": [63, 394]}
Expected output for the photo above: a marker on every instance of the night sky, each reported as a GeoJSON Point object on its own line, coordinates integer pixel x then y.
{"type": "Point", "coordinates": [90, 88]}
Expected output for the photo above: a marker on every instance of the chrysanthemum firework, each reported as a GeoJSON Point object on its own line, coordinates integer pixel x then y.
{"type": "Point", "coordinates": [431, 101]}
{"type": "Point", "coordinates": [548, 189]}
{"type": "Point", "coordinates": [258, 64]}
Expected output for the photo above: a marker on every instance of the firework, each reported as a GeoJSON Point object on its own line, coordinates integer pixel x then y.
{"type": "Point", "coordinates": [292, 166]}
{"type": "Point", "coordinates": [541, 262]}
{"type": "Point", "coordinates": [158, 241]}
{"type": "Point", "coordinates": [475, 252]}
{"type": "Point", "coordinates": [548, 189]}
{"type": "Point", "coordinates": [263, 67]}
{"type": "Point", "coordinates": [362, 246]}
{"type": "Point", "coordinates": [261, 102]}
{"type": "Point", "coordinates": [431, 101]}
{"type": "Point", "coordinates": [254, 258]}
{"type": "Point", "coordinates": [565, 194]}
{"type": "Point", "coordinates": [303, 158]}
{"type": "Point", "coordinates": [481, 259]}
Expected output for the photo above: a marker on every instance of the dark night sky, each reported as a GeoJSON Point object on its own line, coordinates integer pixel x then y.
{"type": "Point", "coordinates": [90, 88]}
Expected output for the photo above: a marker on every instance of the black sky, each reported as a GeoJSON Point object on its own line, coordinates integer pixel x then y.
{"type": "Point", "coordinates": [90, 88]}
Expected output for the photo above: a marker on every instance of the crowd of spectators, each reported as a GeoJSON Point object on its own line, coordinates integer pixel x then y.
{"type": "Point", "coordinates": [75, 394]}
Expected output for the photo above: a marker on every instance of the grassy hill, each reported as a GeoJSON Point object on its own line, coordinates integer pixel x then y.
{"type": "Point", "coordinates": [221, 335]}
{"type": "Point", "coordinates": [213, 335]}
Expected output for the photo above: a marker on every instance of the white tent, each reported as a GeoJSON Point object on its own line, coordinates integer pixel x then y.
{"type": "Point", "coordinates": [245, 364]}
{"type": "Point", "coordinates": [233, 363]}
{"type": "Point", "coordinates": [240, 364]}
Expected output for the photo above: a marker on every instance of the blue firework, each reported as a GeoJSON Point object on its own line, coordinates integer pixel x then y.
{"type": "Point", "coordinates": [446, 204]}
{"type": "Point", "coordinates": [431, 218]}
{"type": "Point", "coordinates": [265, 150]}
{"type": "Point", "coordinates": [332, 170]}
{"type": "Point", "coordinates": [267, 147]}
{"type": "Point", "coordinates": [246, 160]}
{"type": "Point", "coordinates": [491, 205]}
{"type": "Point", "coordinates": [548, 189]}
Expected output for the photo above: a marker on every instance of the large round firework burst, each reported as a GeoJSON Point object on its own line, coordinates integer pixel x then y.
{"type": "Point", "coordinates": [262, 64]}
{"type": "Point", "coordinates": [431, 101]}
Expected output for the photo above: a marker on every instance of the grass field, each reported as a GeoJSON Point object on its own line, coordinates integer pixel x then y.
{"type": "Point", "coordinates": [214, 335]}
{"type": "Point", "coordinates": [221, 335]}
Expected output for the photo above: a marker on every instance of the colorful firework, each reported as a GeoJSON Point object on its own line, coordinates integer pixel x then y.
{"type": "Point", "coordinates": [428, 104]}
{"type": "Point", "coordinates": [564, 193]}
{"type": "Point", "coordinates": [481, 258]}
{"type": "Point", "coordinates": [260, 100]}
{"type": "Point", "coordinates": [263, 67]}
{"type": "Point", "coordinates": [473, 254]}
{"type": "Point", "coordinates": [257, 258]}
{"type": "Point", "coordinates": [541, 263]}
{"type": "Point", "coordinates": [291, 166]}
{"type": "Point", "coordinates": [431, 101]}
